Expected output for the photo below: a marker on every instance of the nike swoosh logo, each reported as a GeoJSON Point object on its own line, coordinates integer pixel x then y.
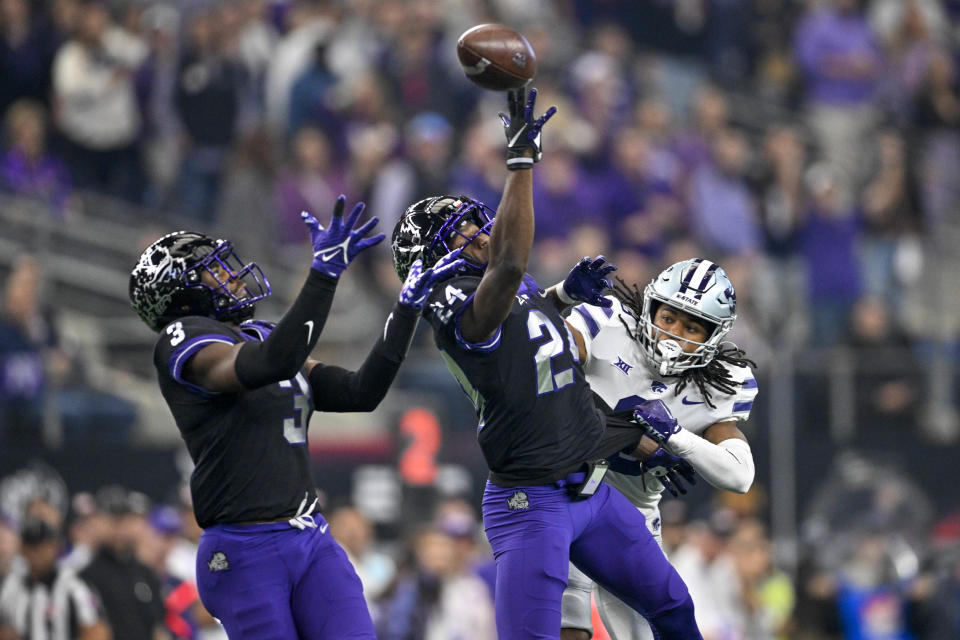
{"type": "Point", "coordinates": [309, 324]}
{"type": "Point", "coordinates": [685, 401]}
{"type": "Point", "coordinates": [323, 529]}
{"type": "Point", "coordinates": [329, 254]}
{"type": "Point", "coordinates": [516, 137]}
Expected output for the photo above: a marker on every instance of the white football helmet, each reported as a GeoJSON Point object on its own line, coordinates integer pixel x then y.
{"type": "Point", "coordinates": [700, 288]}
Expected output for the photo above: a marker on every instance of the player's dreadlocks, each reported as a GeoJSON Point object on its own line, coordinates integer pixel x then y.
{"type": "Point", "coordinates": [713, 374]}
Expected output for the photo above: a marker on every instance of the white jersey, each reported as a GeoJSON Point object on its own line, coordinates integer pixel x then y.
{"type": "Point", "coordinates": [615, 368]}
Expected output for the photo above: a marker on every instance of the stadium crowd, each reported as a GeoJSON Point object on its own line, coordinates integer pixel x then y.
{"type": "Point", "coordinates": [811, 146]}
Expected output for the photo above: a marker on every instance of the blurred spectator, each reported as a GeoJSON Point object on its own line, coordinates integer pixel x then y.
{"type": "Point", "coordinates": [643, 207]}
{"type": "Point", "coordinates": [28, 353]}
{"type": "Point", "coordinates": [377, 570]}
{"type": "Point", "coordinates": [310, 181]}
{"type": "Point", "coordinates": [423, 168]}
{"type": "Point", "coordinates": [95, 104]}
{"type": "Point", "coordinates": [307, 25]}
{"type": "Point", "coordinates": [435, 599]}
{"type": "Point", "coordinates": [767, 594]}
{"type": "Point", "coordinates": [248, 198]}
{"type": "Point", "coordinates": [828, 245]}
{"type": "Point", "coordinates": [781, 287]}
{"type": "Point", "coordinates": [86, 530]}
{"type": "Point", "coordinates": [889, 205]}
{"type": "Point", "coordinates": [888, 385]}
{"type": "Point", "coordinates": [934, 612]}
{"type": "Point", "coordinates": [27, 168]}
{"type": "Point", "coordinates": [39, 600]}
{"type": "Point", "coordinates": [723, 216]}
{"type": "Point", "coordinates": [456, 518]}
{"type": "Point", "coordinates": [207, 98]}
{"type": "Point", "coordinates": [841, 62]}
{"type": "Point", "coordinates": [870, 593]}
{"type": "Point", "coordinates": [705, 564]}
{"type": "Point", "coordinates": [27, 46]}
{"type": "Point", "coordinates": [312, 101]}
{"type": "Point", "coordinates": [130, 591]}
{"type": "Point", "coordinates": [156, 82]}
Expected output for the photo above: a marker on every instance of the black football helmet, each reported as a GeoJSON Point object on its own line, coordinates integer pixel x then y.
{"type": "Point", "coordinates": [166, 283]}
{"type": "Point", "coordinates": [427, 227]}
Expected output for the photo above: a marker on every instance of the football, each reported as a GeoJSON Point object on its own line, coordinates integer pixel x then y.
{"type": "Point", "coordinates": [496, 57]}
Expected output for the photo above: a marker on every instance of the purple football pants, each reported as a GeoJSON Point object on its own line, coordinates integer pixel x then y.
{"type": "Point", "coordinates": [273, 582]}
{"type": "Point", "coordinates": [535, 531]}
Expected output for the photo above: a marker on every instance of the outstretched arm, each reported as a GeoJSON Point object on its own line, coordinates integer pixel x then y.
{"type": "Point", "coordinates": [249, 365]}
{"type": "Point", "coordinates": [338, 390]}
{"type": "Point", "coordinates": [512, 235]}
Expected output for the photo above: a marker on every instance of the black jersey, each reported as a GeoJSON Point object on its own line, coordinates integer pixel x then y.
{"type": "Point", "coordinates": [249, 448]}
{"type": "Point", "coordinates": [537, 416]}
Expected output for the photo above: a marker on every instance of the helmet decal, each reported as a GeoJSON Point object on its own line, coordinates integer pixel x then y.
{"type": "Point", "coordinates": [426, 230]}
{"type": "Point", "coordinates": [168, 281]}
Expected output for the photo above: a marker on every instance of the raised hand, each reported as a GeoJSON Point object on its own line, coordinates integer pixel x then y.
{"type": "Point", "coordinates": [656, 420]}
{"type": "Point", "coordinates": [670, 470]}
{"type": "Point", "coordinates": [420, 282]}
{"type": "Point", "coordinates": [334, 248]}
{"type": "Point", "coordinates": [588, 282]}
{"type": "Point", "coordinates": [522, 131]}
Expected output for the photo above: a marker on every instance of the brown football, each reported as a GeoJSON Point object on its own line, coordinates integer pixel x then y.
{"type": "Point", "coordinates": [496, 57]}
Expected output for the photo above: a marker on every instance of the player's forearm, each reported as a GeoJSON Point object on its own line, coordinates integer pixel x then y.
{"type": "Point", "coordinates": [338, 390]}
{"type": "Point", "coordinates": [285, 350]}
{"type": "Point", "coordinates": [727, 465]}
{"type": "Point", "coordinates": [512, 235]}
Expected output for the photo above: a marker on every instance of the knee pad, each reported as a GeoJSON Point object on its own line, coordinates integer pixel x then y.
{"type": "Point", "coordinates": [575, 607]}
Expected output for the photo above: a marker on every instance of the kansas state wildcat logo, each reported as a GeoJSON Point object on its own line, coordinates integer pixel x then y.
{"type": "Point", "coordinates": [657, 387]}
{"type": "Point", "coordinates": [218, 562]}
{"type": "Point", "coordinates": [518, 501]}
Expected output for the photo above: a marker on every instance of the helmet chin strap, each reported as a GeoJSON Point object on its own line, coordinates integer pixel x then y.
{"type": "Point", "coordinates": [670, 350]}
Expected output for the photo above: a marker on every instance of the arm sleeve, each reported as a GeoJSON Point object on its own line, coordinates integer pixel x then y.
{"type": "Point", "coordinates": [727, 465]}
{"type": "Point", "coordinates": [337, 390]}
{"type": "Point", "coordinates": [285, 350]}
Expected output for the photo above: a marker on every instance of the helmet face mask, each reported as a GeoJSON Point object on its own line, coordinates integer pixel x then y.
{"type": "Point", "coordinates": [700, 289]}
{"type": "Point", "coordinates": [168, 281]}
{"type": "Point", "coordinates": [427, 229]}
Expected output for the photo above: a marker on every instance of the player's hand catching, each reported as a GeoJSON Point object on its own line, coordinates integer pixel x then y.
{"type": "Point", "coordinates": [670, 470]}
{"type": "Point", "coordinates": [656, 420]}
{"type": "Point", "coordinates": [334, 248]}
{"type": "Point", "coordinates": [420, 282]}
{"type": "Point", "coordinates": [588, 282]}
{"type": "Point", "coordinates": [522, 131]}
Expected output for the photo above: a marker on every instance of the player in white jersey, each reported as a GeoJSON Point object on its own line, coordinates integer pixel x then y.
{"type": "Point", "coordinates": [663, 350]}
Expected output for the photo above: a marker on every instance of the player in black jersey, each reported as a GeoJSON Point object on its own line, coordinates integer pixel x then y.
{"type": "Point", "coordinates": [242, 392]}
{"type": "Point", "coordinates": [504, 340]}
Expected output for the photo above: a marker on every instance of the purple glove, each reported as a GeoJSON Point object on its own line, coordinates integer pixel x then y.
{"type": "Point", "coordinates": [656, 420]}
{"type": "Point", "coordinates": [588, 282]}
{"type": "Point", "coordinates": [669, 470]}
{"type": "Point", "coordinates": [522, 131]}
{"type": "Point", "coordinates": [336, 247]}
{"type": "Point", "coordinates": [419, 283]}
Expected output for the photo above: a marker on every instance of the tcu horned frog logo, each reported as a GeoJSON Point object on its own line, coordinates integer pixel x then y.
{"type": "Point", "coordinates": [518, 501]}
{"type": "Point", "coordinates": [218, 562]}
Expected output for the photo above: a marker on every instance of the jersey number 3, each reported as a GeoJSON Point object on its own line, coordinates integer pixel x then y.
{"type": "Point", "coordinates": [295, 427]}
{"type": "Point", "coordinates": [549, 380]}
